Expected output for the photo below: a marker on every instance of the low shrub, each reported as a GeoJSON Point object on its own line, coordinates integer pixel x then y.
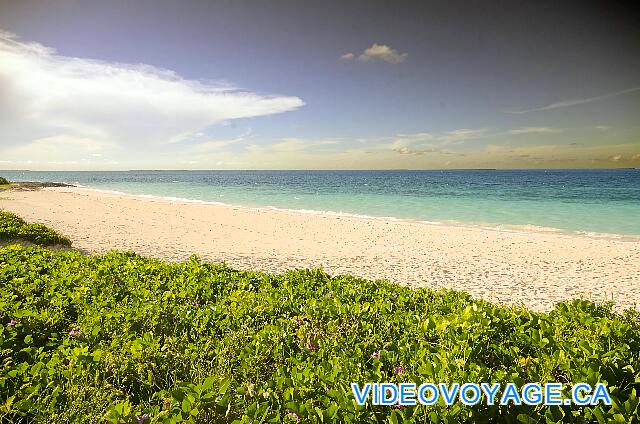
{"type": "Point", "coordinates": [122, 338]}
{"type": "Point", "coordinates": [14, 228]}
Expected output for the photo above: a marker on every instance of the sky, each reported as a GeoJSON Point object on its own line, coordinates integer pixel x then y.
{"type": "Point", "coordinates": [152, 84]}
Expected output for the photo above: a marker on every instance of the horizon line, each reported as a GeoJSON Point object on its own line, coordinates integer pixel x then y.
{"type": "Point", "coordinates": [323, 170]}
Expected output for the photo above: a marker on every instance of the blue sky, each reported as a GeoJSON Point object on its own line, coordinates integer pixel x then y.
{"type": "Point", "coordinates": [323, 85]}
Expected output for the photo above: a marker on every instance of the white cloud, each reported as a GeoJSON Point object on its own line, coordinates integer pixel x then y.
{"type": "Point", "coordinates": [402, 146]}
{"type": "Point", "coordinates": [575, 102]}
{"type": "Point", "coordinates": [204, 145]}
{"type": "Point", "coordinates": [213, 145]}
{"type": "Point", "coordinates": [446, 137]}
{"type": "Point", "coordinates": [54, 99]}
{"type": "Point", "coordinates": [292, 144]}
{"type": "Point", "coordinates": [288, 145]}
{"type": "Point", "coordinates": [57, 148]}
{"type": "Point", "coordinates": [378, 52]}
{"type": "Point", "coordinates": [457, 136]}
{"type": "Point", "coordinates": [427, 142]}
{"type": "Point", "coordinates": [535, 130]}
{"type": "Point", "coordinates": [601, 127]}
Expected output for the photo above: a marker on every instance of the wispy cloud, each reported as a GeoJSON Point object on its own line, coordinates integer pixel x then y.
{"type": "Point", "coordinates": [46, 96]}
{"type": "Point", "coordinates": [293, 144]}
{"type": "Point", "coordinates": [204, 145]}
{"type": "Point", "coordinates": [457, 136]}
{"type": "Point", "coordinates": [378, 52]}
{"type": "Point", "coordinates": [403, 146]}
{"type": "Point", "coordinates": [575, 102]}
{"type": "Point", "coordinates": [429, 142]}
{"type": "Point", "coordinates": [535, 130]}
{"type": "Point", "coordinates": [446, 137]}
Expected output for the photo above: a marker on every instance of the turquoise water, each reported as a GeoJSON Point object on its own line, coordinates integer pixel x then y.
{"type": "Point", "coordinates": [586, 201]}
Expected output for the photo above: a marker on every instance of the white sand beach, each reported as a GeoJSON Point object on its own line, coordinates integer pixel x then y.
{"type": "Point", "coordinates": [530, 269]}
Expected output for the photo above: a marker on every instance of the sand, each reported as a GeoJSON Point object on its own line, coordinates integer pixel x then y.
{"type": "Point", "coordinates": [530, 269]}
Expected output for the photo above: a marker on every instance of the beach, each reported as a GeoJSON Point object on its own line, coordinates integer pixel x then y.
{"type": "Point", "coordinates": [529, 269]}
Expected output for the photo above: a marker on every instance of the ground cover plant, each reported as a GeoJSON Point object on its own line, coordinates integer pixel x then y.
{"type": "Point", "coordinates": [124, 339]}
{"type": "Point", "coordinates": [4, 181]}
{"type": "Point", "coordinates": [14, 228]}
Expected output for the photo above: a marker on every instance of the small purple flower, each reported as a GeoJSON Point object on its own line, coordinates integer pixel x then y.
{"type": "Point", "coordinates": [375, 355]}
{"type": "Point", "coordinates": [293, 415]}
{"type": "Point", "coordinates": [329, 295]}
{"type": "Point", "coordinates": [12, 323]}
{"type": "Point", "coordinates": [297, 321]}
{"type": "Point", "coordinates": [74, 332]}
{"type": "Point", "coordinates": [398, 370]}
{"type": "Point", "coordinates": [394, 294]}
{"type": "Point", "coordinates": [174, 318]}
{"type": "Point", "coordinates": [310, 346]}
{"type": "Point", "coordinates": [399, 406]}
{"type": "Point", "coordinates": [163, 315]}
{"type": "Point", "coordinates": [141, 418]}
{"type": "Point", "coordinates": [196, 302]}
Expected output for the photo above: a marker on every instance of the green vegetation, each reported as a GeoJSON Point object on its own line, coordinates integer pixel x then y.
{"type": "Point", "coordinates": [129, 339]}
{"type": "Point", "coordinates": [4, 181]}
{"type": "Point", "coordinates": [14, 228]}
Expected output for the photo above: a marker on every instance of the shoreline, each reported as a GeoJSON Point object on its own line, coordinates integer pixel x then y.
{"type": "Point", "coordinates": [509, 228]}
{"type": "Point", "coordinates": [531, 269]}
{"type": "Point", "coordinates": [498, 227]}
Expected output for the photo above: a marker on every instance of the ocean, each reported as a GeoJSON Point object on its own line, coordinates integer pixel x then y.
{"type": "Point", "coordinates": [592, 202]}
